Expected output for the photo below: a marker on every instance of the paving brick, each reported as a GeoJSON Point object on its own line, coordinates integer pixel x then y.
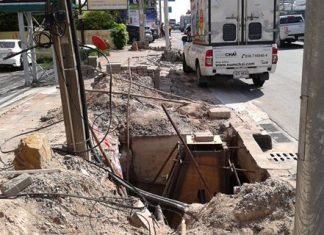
{"type": "Point", "coordinates": [16, 185]}
{"type": "Point", "coordinates": [219, 113]}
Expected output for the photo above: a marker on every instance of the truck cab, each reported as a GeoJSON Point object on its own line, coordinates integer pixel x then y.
{"type": "Point", "coordinates": [232, 37]}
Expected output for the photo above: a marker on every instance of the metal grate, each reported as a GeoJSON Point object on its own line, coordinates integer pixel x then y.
{"type": "Point", "coordinates": [269, 127]}
{"type": "Point", "coordinates": [280, 137]}
{"type": "Point", "coordinates": [283, 157]}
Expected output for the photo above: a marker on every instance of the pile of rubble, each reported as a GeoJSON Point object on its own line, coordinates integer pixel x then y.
{"type": "Point", "coordinates": [73, 196]}
{"type": "Point", "coordinates": [259, 208]}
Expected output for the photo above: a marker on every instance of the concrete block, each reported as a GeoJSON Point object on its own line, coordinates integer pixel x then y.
{"type": "Point", "coordinates": [93, 61]}
{"type": "Point", "coordinates": [115, 67]}
{"type": "Point", "coordinates": [142, 218]}
{"type": "Point", "coordinates": [219, 113]}
{"type": "Point", "coordinates": [16, 185]}
{"type": "Point", "coordinates": [203, 136]}
{"type": "Point", "coordinates": [32, 153]}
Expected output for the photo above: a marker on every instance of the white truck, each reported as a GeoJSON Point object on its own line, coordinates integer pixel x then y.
{"type": "Point", "coordinates": [232, 37]}
{"type": "Point", "coordinates": [292, 28]}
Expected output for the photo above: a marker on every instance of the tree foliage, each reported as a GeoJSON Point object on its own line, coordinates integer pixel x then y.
{"type": "Point", "coordinates": [119, 35]}
{"type": "Point", "coordinates": [98, 20]}
{"type": "Point", "coordinates": [8, 22]}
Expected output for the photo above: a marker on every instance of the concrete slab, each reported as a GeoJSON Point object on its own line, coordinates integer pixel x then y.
{"type": "Point", "coordinates": [16, 185]}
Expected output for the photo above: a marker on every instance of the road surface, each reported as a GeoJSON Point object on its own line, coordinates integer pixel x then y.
{"type": "Point", "coordinates": [279, 97]}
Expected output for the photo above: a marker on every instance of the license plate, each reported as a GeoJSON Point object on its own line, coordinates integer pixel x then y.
{"type": "Point", "coordinates": [241, 73]}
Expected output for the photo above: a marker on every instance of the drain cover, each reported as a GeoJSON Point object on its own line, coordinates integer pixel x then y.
{"type": "Point", "coordinates": [280, 137]}
{"type": "Point", "coordinates": [282, 157]}
{"type": "Point", "coordinates": [269, 127]}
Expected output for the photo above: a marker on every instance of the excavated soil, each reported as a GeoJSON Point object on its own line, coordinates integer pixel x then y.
{"type": "Point", "coordinates": [259, 208]}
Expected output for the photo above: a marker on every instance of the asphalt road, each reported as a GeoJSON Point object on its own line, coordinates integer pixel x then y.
{"type": "Point", "coordinates": [279, 97]}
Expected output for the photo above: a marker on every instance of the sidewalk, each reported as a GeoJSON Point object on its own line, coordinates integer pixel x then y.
{"type": "Point", "coordinates": [121, 56]}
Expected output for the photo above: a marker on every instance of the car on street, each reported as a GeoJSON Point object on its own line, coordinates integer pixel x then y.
{"type": "Point", "coordinates": [292, 28]}
{"type": "Point", "coordinates": [9, 47]}
{"type": "Point", "coordinates": [176, 27]}
{"type": "Point", "coordinates": [134, 33]}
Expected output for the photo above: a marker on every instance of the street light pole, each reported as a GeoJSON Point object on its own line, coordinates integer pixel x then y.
{"type": "Point", "coordinates": [141, 20]}
{"type": "Point", "coordinates": [166, 24]}
{"type": "Point", "coordinates": [310, 167]}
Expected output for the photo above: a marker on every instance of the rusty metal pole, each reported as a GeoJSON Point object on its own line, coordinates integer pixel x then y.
{"type": "Point", "coordinates": [164, 164]}
{"type": "Point", "coordinates": [310, 167]}
{"type": "Point", "coordinates": [189, 151]}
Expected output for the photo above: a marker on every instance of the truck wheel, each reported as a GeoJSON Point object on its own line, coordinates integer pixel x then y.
{"type": "Point", "coordinates": [185, 67]}
{"type": "Point", "coordinates": [201, 81]}
{"type": "Point", "coordinates": [259, 79]}
{"type": "Point", "coordinates": [280, 43]}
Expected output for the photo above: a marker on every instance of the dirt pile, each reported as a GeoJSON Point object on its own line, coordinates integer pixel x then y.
{"type": "Point", "coordinates": [260, 208]}
{"type": "Point", "coordinates": [146, 115]}
{"type": "Point", "coordinates": [96, 207]}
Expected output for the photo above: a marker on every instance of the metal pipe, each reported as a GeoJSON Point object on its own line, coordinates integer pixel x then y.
{"type": "Point", "coordinates": [164, 164]}
{"type": "Point", "coordinates": [188, 150]}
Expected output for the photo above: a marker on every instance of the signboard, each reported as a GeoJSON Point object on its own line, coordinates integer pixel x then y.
{"type": "Point", "coordinates": [22, 5]}
{"type": "Point", "coordinates": [107, 4]}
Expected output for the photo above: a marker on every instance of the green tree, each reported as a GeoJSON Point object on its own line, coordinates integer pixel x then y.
{"type": "Point", "coordinates": [8, 22]}
{"type": "Point", "coordinates": [98, 20]}
{"type": "Point", "coordinates": [119, 35]}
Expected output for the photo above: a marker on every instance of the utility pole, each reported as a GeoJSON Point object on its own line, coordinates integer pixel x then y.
{"type": "Point", "coordinates": [29, 19]}
{"type": "Point", "coordinates": [80, 17]}
{"type": "Point", "coordinates": [23, 47]}
{"type": "Point", "coordinates": [160, 13]}
{"type": "Point", "coordinates": [70, 87]}
{"type": "Point", "coordinates": [166, 24]}
{"type": "Point", "coordinates": [141, 20]}
{"type": "Point", "coordinates": [310, 167]}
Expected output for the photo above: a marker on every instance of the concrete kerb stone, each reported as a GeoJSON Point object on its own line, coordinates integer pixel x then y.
{"type": "Point", "coordinates": [16, 185]}
{"type": "Point", "coordinates": [219, 113]}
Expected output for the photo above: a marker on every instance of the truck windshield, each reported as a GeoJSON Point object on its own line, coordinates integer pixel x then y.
{"type": "Point", "coordinates": [291, 20]}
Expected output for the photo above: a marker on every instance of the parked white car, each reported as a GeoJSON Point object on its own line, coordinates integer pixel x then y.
{"type": "Point", "coordinates": [292, 28]}
{"type": "Point", "coordinates": [9, 47]}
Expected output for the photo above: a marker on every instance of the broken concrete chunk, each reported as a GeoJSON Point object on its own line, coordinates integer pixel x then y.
{"type": "Point", "coordinates": [193, 109]}
{"type": "Point", "coordinates": [142, 218]}
{"type": "Point", "coordinates": [32, 153]}
{"type": "Point", "coordinates": [219, 113]}
{"type": "Point", "coordinates": [16, 185]}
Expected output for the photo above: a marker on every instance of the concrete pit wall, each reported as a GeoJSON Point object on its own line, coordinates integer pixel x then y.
{"type": "Point", "coordinates": [149, 153]}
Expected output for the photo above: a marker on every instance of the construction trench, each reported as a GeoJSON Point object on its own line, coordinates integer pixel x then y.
{"type": "Point", "coordinates": [198, 167]}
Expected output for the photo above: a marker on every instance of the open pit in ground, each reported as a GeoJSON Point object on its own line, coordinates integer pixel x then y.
{"type": "Point", "coordinates": [151, 164]}
{"type": "Point", "coordinates": [263, 205]}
